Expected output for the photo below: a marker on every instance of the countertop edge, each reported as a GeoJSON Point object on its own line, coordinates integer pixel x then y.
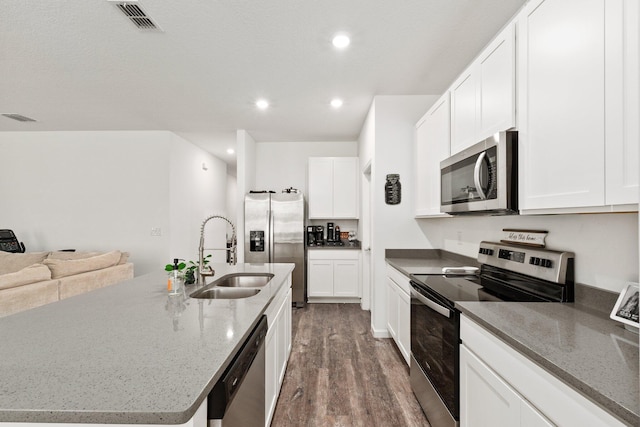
{"type": "Point", "coordinates": [607, 404]}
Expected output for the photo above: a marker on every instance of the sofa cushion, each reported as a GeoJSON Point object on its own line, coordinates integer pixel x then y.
{"type": "Point", "coordinates": [124, 256]}
{"type": "Point", "coordinates": [11, 262]}
{"type": "Point", "coordinates": [22, 298]}
{"type": "Point", "coordinates": [63, 267]}
{"type": "Point", "coordinates": [91, 280]}
{"type": "Point", "coordinates": [33, 273]}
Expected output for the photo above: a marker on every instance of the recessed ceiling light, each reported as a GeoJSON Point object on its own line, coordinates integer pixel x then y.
{"type": "Point", "coordinates": [336, 103]}
{"type": "Point", "coordinates": [230, 151]}
{"type": "Point", "coordinates": [262, 104]}
{"type": "Point", "coordinates": [341, 41]}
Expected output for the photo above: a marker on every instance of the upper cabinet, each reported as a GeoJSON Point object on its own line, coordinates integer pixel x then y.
{"type": "Point", "coordinates": [578, 105]}
{"type": "Point", "coordinates": [431, 147]}
{"type": "Point", "coordinates": [483, 97]}
{"type": "Point", "coordinates": [333, 187]}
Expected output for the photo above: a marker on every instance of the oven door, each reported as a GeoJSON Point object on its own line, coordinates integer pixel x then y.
{"type": "Point", "coordinates": [435, 356]}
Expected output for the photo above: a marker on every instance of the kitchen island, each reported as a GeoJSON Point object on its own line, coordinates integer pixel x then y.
{"type": "Point", "coordinates": [125, 354]}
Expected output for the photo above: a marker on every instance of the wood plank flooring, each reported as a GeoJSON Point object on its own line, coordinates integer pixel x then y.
{"type": "Point", "coordinates": [339, 375]}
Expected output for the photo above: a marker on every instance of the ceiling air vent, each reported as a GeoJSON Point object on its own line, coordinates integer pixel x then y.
{"type": "Point", "coordinates": [19, 117]}
{"type": "Point", "coordinates": [136, 14]}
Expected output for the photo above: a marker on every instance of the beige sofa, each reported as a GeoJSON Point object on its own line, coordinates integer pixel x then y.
{"type": "Point", "coordinates": [33, 279]}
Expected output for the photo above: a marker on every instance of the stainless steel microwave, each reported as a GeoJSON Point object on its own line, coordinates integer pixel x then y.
{"type": "Point", "coordinates": [483, 179]}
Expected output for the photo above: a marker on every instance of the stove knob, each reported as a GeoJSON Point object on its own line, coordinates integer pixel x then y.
{"type": "Point", "coordinates": [490, 252]}
{"type": "Point", "coordinates": [547, 263]}
{"type": "Point", "coordinates": [531, 260]}
{"type": "Point", "coordinates": [536, 261]}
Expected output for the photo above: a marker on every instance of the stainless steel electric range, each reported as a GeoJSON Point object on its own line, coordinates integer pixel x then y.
{"type": "Point", "coordinates": [508, 273]}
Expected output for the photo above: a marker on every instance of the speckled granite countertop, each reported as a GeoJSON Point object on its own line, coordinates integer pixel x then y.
{"type": "Point", "coordinates": [126, 353]}
{"type": "Point", "coordinates": [593, 354]}
{"type": "Point", "coordinates": [346, 245]}
{"type": "Point", "coordinates": [426, 261]}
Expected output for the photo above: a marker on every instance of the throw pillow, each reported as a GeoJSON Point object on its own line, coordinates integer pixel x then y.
{"type": "Point", "coordinates": [63, 268]}
{"type": "Point", "coordinates": [11, 262]}
{"type": "Point", "coordinates": [33, 273]}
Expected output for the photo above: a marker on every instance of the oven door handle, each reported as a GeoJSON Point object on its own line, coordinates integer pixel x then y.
{"type": "Point", "coordinates": [444, 311]}
{"type": "Point", "coordinates": [476, 175]}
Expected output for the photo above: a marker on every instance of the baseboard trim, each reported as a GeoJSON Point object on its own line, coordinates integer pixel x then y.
{"type": "Point", "coordinates": [333, 300]}
{"type": "Point", "coordinates": [380, 333]}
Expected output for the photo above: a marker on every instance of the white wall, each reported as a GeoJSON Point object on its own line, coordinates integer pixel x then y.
{"type": "Point", "coordinates": [392, 226]}
{"type": "Point", "coordinates": [104, 191]}
{"type": "Point", "coordinates": [281, 165]}
{"type": "Point", "coordinates": [198, 190]}
{"type": "Point", "coordinates": [606, 245]}
{"type": "Point", "coordinates": [246, 179]}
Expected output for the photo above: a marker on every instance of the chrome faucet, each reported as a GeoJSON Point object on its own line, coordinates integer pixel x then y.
{"type": "Point", "coordinates": [202, 273]}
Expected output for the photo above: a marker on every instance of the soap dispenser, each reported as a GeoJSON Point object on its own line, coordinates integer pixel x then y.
{"type": "Point", "coordinates": [174, 284]}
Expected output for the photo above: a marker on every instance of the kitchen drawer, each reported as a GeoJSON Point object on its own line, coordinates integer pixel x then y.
{"type": "Point", "coordinates": [399, 279]}
{"type": "Point", "coordinates": [333, 254]}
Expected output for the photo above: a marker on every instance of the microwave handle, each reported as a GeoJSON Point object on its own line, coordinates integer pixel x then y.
{"type": "Point", "coordinates": [444, 311]}
{"type": "Point", "coordinates": [476, 175]}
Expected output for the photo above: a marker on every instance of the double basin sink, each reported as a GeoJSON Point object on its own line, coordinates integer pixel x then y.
{"type": "Point", "coordinates": [234, 286]}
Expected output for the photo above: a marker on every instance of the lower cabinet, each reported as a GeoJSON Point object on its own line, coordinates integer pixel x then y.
{"type": "Point", "coordinates": [486, 400]}
{"type": "Point", "coordinates": [333, 275]}
{"type": "Point", "coordinates": [399, 310]}
{"type": "Point", "coordinates": [278, 349]}
{"type": "Point", "coordinates": [500, 387]}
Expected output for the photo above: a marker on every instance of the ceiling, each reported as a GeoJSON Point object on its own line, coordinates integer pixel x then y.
{"type": "Point", "coordinates": [82, 65]}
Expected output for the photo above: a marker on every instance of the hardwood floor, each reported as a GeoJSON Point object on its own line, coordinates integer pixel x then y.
{"type": "Point", "coordinates": [339, 375]}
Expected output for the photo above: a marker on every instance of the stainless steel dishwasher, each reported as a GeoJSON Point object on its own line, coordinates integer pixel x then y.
{"type": "Point", "coordinates": [237, 399]}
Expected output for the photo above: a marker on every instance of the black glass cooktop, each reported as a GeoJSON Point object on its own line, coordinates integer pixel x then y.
{"type": "Point", "coordinates": [486, 287]}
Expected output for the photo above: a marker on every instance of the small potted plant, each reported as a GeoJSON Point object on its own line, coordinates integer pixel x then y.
{"type": "Point", "coordinates": [190, 271]}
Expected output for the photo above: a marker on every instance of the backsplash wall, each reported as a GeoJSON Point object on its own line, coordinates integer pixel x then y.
{"type": "Point", "coordinates": [606, 245]}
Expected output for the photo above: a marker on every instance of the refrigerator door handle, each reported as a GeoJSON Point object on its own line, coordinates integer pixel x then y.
{"type": "Point", "coordinates": [271, 234]}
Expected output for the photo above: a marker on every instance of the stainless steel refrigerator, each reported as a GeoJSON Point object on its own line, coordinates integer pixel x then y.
{"type": "Point", "coordinates": [274, 232]}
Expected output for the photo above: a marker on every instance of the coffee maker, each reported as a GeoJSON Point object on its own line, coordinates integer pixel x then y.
{"type": "Point", "coordinates": [319, 235]}
{"type": "Point", "coordinates": [330, 232]}
{"type": "Point", "coordinates": [311, 235]}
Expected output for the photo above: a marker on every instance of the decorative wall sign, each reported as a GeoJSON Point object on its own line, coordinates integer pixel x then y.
{"type": "Point", "coordinates": [392, 190]}
{"type": "Point", "coordinates": [524, 237]}
{"type": "Point", "coordinates": [626, 308]}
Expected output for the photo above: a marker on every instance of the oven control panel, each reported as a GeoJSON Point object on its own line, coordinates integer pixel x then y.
{"type": "Point", "coordinates": [554, 266]}
{"type": "Point", "coordinates": [510, 255]}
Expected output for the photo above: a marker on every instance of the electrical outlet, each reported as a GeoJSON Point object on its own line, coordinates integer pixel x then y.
{"type": "Point", "coordinates": [156, 231]}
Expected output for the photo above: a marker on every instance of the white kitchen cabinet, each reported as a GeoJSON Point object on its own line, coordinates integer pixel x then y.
{"type": "Point", "coordinates": [278, 348]}
{"type": "Point", "coordinates": [333, 275]}
{"type": "Point", "coordinates": [464, 109]}
{"type": "Point", "coordinates": [500, 387]}
{"type": "Point", "coordinates": [333, 187]}
{"type": "Point", "coordinates": [392, 309]}
{"type": "Point", "coordinates": [399, 310]}
{"type": "Point", "coordinates": [432, 145]}
{"type": "Point", "coordinates": [486, 400]}
{"type": "Point", "coordinates": [622, 103]}
{"type": "Point", "coordinates": [483, 96]}
{"type": "Point", "coordinates": [578, 105]}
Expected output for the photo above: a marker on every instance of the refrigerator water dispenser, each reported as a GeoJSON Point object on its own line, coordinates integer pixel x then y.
{"type": "Point", "coordinates": [256, 240]}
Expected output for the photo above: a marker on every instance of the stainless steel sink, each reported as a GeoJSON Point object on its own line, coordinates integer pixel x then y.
{"type": "Point", "coordinates": [225, 293]}
{"type": "Point", "coordinates": [234, 286]}
{"type": "Point", "coordinates": [243, 280]}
